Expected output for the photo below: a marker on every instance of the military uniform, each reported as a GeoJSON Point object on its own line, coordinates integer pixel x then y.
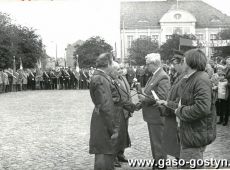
{"type": "Point", "coordinates": [1, 81]}
{"type": "Point", "coordinates": [6, 87]}
{"type": "Point", "coordinates": [24, 80]}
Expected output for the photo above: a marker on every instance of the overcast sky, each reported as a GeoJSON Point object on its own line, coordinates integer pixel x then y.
{"type": "Point", "coordinates": [63, 22]}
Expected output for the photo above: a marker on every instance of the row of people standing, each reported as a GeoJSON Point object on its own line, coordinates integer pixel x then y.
{"type": "Point", "coordinates": [36, 79]}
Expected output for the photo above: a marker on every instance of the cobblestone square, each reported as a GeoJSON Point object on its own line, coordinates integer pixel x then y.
{"type": "Point", "coordinates": [50, 130]}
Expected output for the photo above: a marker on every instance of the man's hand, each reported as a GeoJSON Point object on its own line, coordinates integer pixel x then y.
{"type": "Point", "coordinates": [141, 98]}
{"type": "Point", "coordinates": [114, 136]}
{"type": "Point", "coordinates": [138, 106]}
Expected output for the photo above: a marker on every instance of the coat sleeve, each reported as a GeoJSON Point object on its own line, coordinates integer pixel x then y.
{"type": "Point", "coordinates": [202, 102]}
{"type": "Point", "coordinates": [104, 103]}
{"type": "Point", "coordinates": [163, 88]}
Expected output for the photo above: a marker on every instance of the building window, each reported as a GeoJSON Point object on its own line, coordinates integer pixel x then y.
{"type": "Point", "coordinates": [213, 37]}
{"type": "Point", "coordinates": [177, 30]}
{"type": "Point", "coordinates": [200, 36]}
{"type": "Point", "coordinates": [154, 37]}
{"type": "Point", "coordinates": [130, 40]}
{"type": "Point", "coordinates": [143, 36]}
{"type": "Point", "coordinates": [168, 37]}
{"type": "Point", "coordinates": [186, 30]}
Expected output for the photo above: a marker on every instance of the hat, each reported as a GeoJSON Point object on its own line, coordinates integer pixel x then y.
{"type": "Point", "coordinates": [177, 55]}
{"type": "Point", "coordinates": [152, 58]}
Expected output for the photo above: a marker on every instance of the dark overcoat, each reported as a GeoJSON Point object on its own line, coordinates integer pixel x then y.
{"type": "Point", "coordinates": [124, 90]}
{"type": "Point", "coordinates": [102, 121]}
{"type": "Point", "coordinates": [171, 141]}
{"type": "Point", "coordinates": [160, 83]}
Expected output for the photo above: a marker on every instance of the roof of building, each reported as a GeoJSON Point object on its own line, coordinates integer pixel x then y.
{"type": "Point", "coordinates": [147, 14]}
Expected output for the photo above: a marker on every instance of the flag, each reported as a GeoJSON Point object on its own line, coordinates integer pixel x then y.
{"type": "Point", "coordinates": [77, 69]}
{"type": "Point", "coordinates": [65, 62]}
{"type": "Point", "coordinates": [77, 65]}
{"type": "Point", "coordinates": [39, 64]}
{"type": "Point", "coordinates": [21, 67]}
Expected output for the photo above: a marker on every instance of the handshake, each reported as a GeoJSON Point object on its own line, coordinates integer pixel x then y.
{"type": "Point", "coordinates": [131, 107]}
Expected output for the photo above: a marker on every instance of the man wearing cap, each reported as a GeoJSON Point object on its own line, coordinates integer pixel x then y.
{"type": "Point", "coordinates": [159, 83]}
{"type": "Point", "coordinates": [102, 130]}
{"type": "Point", "coordinates": [1, 81]}
{"type": "Point", "coordinates": [170, 136]}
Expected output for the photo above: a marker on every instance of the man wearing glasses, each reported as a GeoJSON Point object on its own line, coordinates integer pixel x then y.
{"type": "Point", "coordinates": [170, 136]}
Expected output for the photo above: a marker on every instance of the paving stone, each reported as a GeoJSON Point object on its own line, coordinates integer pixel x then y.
{"type": "Point", "coordinates": [50, 130]}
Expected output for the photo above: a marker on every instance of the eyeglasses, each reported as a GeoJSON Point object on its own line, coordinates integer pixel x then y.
{"type": "Point", "coordinates": [175, 63]}
{"type": "Point", "coordinates": [147, 64]}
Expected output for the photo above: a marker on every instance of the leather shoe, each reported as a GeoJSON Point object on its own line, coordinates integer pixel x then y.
{"type": "Point", "coordinates": [122, 158]}
{"type": "Point", "coordinates": [219, 122]}
{"type": "Point", "coordinates": [117, 163]}
{"type": "Point", "coordinates": [225, 124]}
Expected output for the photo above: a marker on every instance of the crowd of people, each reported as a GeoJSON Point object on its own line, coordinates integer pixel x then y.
{"type": "Point", "coordinates": [180, 102]}
{"type": "Point", "coordinates": [37, 79]}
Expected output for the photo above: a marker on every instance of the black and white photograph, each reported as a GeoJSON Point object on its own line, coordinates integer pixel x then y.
{"type": "Point", "coordinates": [114, 84]}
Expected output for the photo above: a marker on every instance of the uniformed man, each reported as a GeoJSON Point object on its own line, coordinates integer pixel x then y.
{"type": "Point", "coordinates": [1, 80]}
{"type": "Point", "coordinates": [6, 87]}
{"type": "Point", "coordinates": [24, 79]}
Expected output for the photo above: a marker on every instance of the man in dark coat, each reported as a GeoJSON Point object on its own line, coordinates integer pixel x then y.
{"type": "Point", "coordinates": [102, 130]}
{"type": "Point", "coordinates": [123, 106]}
{"type": "Point", "coordinates": [130, 75]}
{"type": "Point", "coordinates": [158, 84]}
{"type": "Point", "coordinates": [171, 141]}
{"type": "Point", "coordinates": [126, 96]}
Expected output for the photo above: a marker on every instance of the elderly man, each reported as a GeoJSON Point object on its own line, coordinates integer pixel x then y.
{"type": "Point", "coordinates": [103, 134]}
{"type": "Point", "coordinates": [158, 84]}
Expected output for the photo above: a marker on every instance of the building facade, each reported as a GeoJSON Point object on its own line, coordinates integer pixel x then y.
{"type": "Point", "coordinates": [70, 53]}
{"type": "Point", "coordinates": [160, 19]}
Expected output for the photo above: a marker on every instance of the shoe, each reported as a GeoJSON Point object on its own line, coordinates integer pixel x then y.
{"type": "Point", "coordinates": [225, 124]}
{"type": "Point", "coordinates": [122, 158]}
{"type": "Point", "coordinates": [220, 122]}
{"type": "Point", "coordinates": [117, 163]}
